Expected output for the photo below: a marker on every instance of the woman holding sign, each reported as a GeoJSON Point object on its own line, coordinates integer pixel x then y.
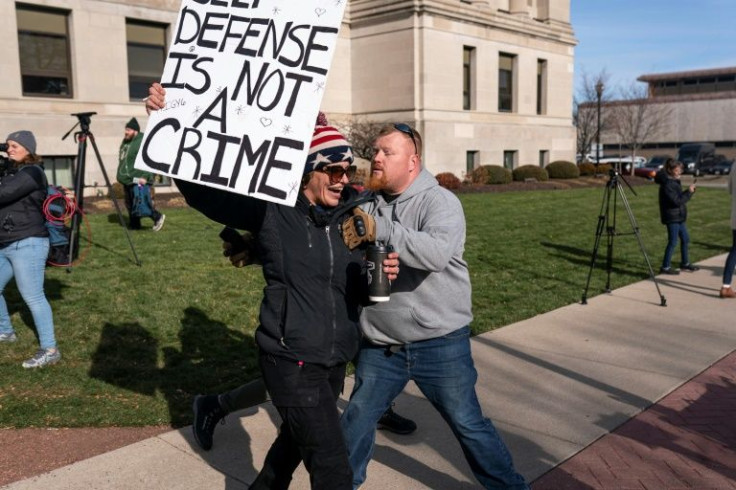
{"type": "Point", "coordinates": [309, 314]}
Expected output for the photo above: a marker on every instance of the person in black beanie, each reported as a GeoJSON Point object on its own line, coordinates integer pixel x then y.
{"type": "Point", "coordinates": [136, 183]}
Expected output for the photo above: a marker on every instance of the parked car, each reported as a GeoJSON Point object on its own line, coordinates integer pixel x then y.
{"type": "Point", "coordinates": [623, 163]}
{"type": "Point", "coordinates": [657, 161]}
{"type": "Point", "coordinates": [649, 170]}
{"type": "Point", "coordinates": [723, 167]}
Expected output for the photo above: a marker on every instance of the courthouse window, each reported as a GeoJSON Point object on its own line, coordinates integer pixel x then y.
{"type": "Point", "coordinates": [146, 55]}
{"type": "Point", "coordinates": [506, 82]}
{"type": "Point", "coordinates": [43, 44]}
{"type": "Point", "coordinates": [541, 87]}
{"type": "Point", "coordinates": [468, 62]}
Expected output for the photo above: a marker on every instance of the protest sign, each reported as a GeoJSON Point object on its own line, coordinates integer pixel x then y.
{"type": "Point", "coordinates": [244, 81]}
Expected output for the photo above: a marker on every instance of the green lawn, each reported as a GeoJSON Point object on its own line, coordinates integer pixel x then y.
{"type": "Point", "coordinates": [139, 342]}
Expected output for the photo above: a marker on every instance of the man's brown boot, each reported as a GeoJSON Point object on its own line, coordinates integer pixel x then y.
{"type": "Point", "coordinates": [727, 293]}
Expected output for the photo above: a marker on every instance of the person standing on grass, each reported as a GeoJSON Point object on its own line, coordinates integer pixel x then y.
{"type": "Point", "coordinates": [308, 329]}
{"type": "Point", "coordinates": [134, 180]}
{"type": "Point", "coordinates": [422, 333]}
{"type": "Point", "coordinates": [726, 290]}
{"type": "Point", "coordinates": [24, 244]}
{"type": "Point", "coordinates": [673, 214]}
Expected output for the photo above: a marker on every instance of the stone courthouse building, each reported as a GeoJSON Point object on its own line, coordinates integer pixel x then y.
{"type": "Point", "coordinates": [485, 81]}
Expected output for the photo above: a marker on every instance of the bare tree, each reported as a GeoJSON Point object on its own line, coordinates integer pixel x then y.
{"type": "Point", "coordinates": [636, 118]}
{"type": "Point", "coordinates": [361, 133]}
{"type": "Point", "coordinates": [585, 110]}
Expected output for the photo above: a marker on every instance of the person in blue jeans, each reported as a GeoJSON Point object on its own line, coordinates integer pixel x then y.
{"type": "Point", "coordinates": [726, 289]}
{"type": "Point", "coordinates": [673, 214]}
{"type": "Point", "coordinates": [422, 332]}
{"type": "Point", "coordinates": [24, 243]}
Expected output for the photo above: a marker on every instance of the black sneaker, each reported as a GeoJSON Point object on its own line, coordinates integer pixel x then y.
{"type": "Point", "coordinates": [395, 423]}
{"type": "Point", "coordinates": [207, 413]}
{"type": "Point", "coordinates": [689, 267]}
{"type": "Point", "coordinates": [669, 271]}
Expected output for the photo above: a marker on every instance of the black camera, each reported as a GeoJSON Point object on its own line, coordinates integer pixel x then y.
{"type": "Point", "coordinates": [5, 163]}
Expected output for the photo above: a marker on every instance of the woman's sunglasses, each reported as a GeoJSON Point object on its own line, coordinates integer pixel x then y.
{"type": "Point", "coordinates": [336, 172]}
{"type": "Point", "coordinates": [406, 129]}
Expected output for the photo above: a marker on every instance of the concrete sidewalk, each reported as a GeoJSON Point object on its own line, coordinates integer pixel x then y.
{"type": "Point", "coordinates": [552, 384]}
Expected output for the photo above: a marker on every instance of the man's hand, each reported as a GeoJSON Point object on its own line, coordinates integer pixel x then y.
{"type": "Point", "coordinates": [156, 99]}
{"type": "Point", "coordinates": [391, 266]}
{"type": "Point", "coordinates": [359, 228]}
{"type": "Point", "coordinates": [139, 180]}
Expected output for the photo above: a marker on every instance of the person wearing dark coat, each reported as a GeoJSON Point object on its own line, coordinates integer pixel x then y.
{"type": "Point", "coordinates": [24, 244]}
{"type": "Point", "coordinates": [673, 214]}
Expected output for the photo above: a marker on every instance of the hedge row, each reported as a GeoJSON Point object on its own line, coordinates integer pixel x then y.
{"type": "Point", "coordinates": [495, 174]}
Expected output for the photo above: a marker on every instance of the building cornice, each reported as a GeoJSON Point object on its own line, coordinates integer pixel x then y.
{"type": "Point", "coordinates": [679, 75]}
{"type": "Point", "coordinates": [368, 12]}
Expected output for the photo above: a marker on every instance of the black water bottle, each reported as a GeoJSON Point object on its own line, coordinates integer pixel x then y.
{"type": "Point", "coordinates": [379, 287]}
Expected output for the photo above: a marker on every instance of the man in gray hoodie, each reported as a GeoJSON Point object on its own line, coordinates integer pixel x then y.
{"type": "Point", "coordinates": [422, 333]}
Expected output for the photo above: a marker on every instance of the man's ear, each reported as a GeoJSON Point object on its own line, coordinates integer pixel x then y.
{"type": "Point", "coordinates": [415, 163]}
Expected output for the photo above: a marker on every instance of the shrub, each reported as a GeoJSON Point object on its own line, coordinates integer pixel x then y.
{"type": "Point", "coordinates": [530, 172]}
{"type": "Point", "coordinates": [589, 168]}
{"type": "Point", "coordinates": [448, 180]}
{"type": "Point", "coordinates": [117, 190]}
{"type": "Point", "coordinates": [562, 169]}
{"type": "Point", "coordinates": [491, 174]}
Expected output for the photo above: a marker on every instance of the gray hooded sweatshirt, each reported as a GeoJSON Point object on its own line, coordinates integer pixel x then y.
{"type": "Point", "coordinates": [431, 296]}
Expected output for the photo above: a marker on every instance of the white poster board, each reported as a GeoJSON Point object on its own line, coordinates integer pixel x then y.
{"type": "Point", "coordinates": [244, 80]}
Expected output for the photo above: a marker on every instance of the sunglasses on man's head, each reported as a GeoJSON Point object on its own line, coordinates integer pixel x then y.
{"type": "Point", "coordinates": [336, 172]}
{"type": "Point", "coordinates": [406, 129]}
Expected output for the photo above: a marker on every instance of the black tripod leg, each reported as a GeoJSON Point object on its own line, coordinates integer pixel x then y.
{"type": "Point", "coordinates": [611, 234]}
{"type": "Point", "coordinates": [114, 199]}
{"type": "Point", "coordinates": [78, 199]}
{"type": "Point", "coordinates": [602, 218]}
{"type": "Point", "coordinates": [635, 227]}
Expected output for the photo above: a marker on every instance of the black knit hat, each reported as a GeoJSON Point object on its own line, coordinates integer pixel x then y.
{"type": "Point", "coordinates": [133, 124]}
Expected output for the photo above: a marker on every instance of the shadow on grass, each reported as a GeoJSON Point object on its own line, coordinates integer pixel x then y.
{"type": "Point", "coordinates": [53, 289]}
{"type": "Point", "coordinates": [210, 358]}
{"type": "Point", "coordinates": [582, 257]}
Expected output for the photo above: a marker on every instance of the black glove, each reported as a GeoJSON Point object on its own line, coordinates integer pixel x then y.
{"type": "Point", "coordinates": [240, 249]}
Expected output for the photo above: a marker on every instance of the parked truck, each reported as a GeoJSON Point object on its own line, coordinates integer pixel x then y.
{"type": "Point", "coordinates": [697, 157]}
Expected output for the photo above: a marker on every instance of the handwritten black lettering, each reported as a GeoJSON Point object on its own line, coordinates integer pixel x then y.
{"type": "Point", "coordinates": [152, 134]}
{"type": "Point", "coordinates": [313, 46]}
{"type": "Point", "coordinates": [223, 140]}
{"type": "Point", "coordinates": [191, 150]}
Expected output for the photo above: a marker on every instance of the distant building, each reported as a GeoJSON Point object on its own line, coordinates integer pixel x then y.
{"type": "Point", "coordinates": [702, 104]}
{"type": "Point", "coordinates": [485, 81]}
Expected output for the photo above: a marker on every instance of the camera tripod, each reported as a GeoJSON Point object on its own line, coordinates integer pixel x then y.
{"type": "Point", "coordinates": [81, 138]}
{"type": "Point", "coordinates": [607, 226]}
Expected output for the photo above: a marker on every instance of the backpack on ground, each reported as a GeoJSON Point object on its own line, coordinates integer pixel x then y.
{"type": "Point", "coordinates": [57, 212]}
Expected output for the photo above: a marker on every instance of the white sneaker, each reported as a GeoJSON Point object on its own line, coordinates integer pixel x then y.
{"type": "Point", "coordinates": [43, 357]}
{"type": "Point", "coordinates": [8, 337]}
{"type": "Point", "coordinates": [159, 223]}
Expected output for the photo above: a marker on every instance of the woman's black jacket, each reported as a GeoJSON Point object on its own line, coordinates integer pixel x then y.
{"type": "Point", "coordinates": [672, 199]}
{"type": "Point", "coordinates": [22, 192]}
{"type": "Point", "coordinates": [314, 283]}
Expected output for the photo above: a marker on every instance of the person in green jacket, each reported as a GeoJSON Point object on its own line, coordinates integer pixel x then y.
{"type": "Point", "coordinates": [132, 178]}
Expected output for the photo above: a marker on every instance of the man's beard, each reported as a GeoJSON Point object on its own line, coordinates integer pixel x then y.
{"type": "Point", "coordinates": [377, 183]}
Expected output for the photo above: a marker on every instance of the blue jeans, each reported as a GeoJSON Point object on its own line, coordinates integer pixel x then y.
{"type": "Point", "coordinates": [730, 261]}
{"type": "Point", "coordinates": [26, 260]}
{"type": "Point", "coordinates": [676, 231]}
{"type": "Point", "coordinates": [443, 370]}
